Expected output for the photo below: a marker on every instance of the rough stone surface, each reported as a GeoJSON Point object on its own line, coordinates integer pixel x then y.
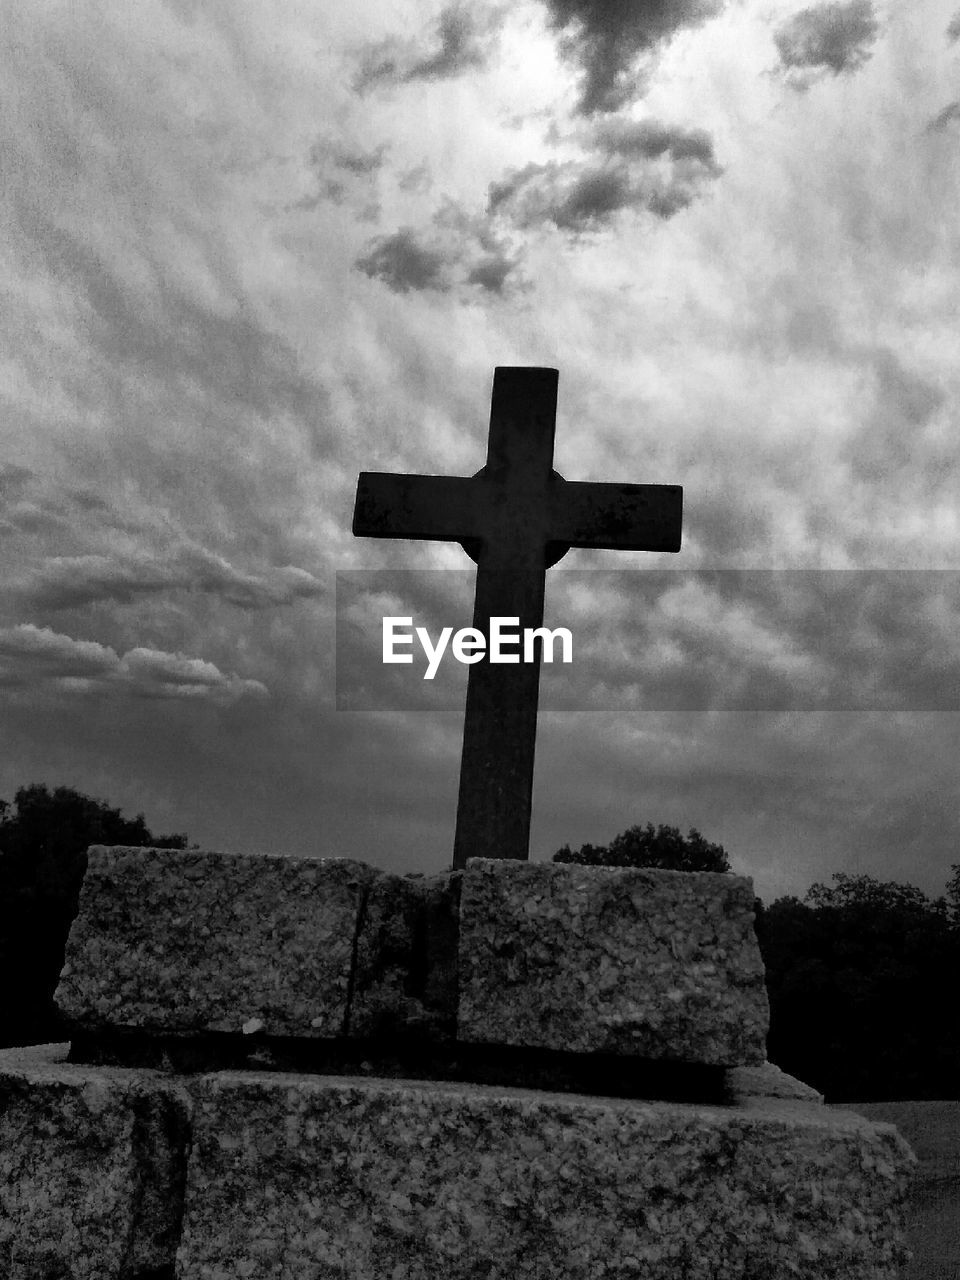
{"type": "Point", "coordinates": [389, 1180]}
{"type": "Point", "coordinates": [179, 940]}
{"type": "Point", "coordinates": [287, 1176]}
{"type": "Point", "coordinates": [92, 1169]}
{"type": "Point", "coordinates": [643, 962]}
{"type": "Point", "coordinates": [405, 976]}
{"type": "Point", "coordinates": [768, 1081]}
{"type": "Point", "coordinates": [933, 1207]}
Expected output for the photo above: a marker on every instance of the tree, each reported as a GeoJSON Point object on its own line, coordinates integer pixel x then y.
{"type": "Point", "coordinates": [651, 846]}
{"type": "Point", "coordinates": [858, 975]}
{"type": "Point", "coordinates": [44, 836]}
{"type": "Point", "coordinates": [953, 896]}
{"type": "Point", "coordinates": [865, 893]}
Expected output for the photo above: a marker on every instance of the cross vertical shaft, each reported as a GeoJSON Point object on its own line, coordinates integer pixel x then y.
{"type": "Point", "coordinates": [500, 723]}
{"type": "Point", "coordinates": [499, 727]}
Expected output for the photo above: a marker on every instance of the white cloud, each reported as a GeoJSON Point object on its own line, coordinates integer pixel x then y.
{"type": "Point", "coordinates": [33, 658]}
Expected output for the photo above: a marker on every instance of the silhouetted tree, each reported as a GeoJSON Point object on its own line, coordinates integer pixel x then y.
{"type": "Point", "coordinates": [865, 894]}
{"type": "Point", "coordinates": [651, 846]}
{"type": "Point", "coordinates": [44, 836]}
{"type": "Point", "coordinates": [953, 896]}
{"type": "Point", "coordinates": [861, 976]}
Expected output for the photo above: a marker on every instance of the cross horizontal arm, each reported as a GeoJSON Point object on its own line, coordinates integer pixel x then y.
{"type": "Point", "coordinates": [622, 517]}
{"type": "Point", "coordinates": [439, 508]}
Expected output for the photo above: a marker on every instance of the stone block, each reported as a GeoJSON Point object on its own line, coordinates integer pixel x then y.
{"type": "Point", "coordinates": [642, 962]}
{"type": "Point", "coordinates": [768, 1081]}
{"type": "Point", "coordinates": [182, 941]}
{"type": "Point", "coordinates": [292, 1176]}
{"type": "Point", "coordinates": [405, 975]}
{"type": "Point", "coordinates": [92, 1169]}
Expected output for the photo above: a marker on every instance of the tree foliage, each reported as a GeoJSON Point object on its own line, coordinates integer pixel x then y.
{"type": "Point", "coordinates": [953, 896]}
{"type": "Point", "coordinates": [651, 846]}
{"type": "Point", "coordinates": [44, 836]}
{"type": "Point", "coordinates": [861, 976]}
{"type": "Point", "coordinates": [864, 893]}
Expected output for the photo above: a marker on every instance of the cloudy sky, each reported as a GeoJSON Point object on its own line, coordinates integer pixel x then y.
{"type": "Point", "coordinates": [251, 248]}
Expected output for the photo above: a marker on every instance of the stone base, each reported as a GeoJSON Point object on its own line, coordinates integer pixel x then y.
{"type": "Point", "coordinates": [92, 1169]}
{"type": "Point", "coordinates": [296, 1176]}
{"type": "Point", "coordinates": [635, 962]}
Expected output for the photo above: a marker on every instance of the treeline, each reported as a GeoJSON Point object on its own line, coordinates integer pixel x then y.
{"type": "Point", "coordinates": [861, 973]}
{"type": "Point", "coordinates": [44, 836]}
{"type": "Point", "coordinates": [862, 976]}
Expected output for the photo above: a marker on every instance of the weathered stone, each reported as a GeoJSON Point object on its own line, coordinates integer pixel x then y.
{"type": "Point", "coordinates": [284, 1176]}
{"type": "Point", "coordinates": [92, 1168]}
{"type": "Point", "coordinates": [642, 962]}
{"type": "Point", "coordinates": [181, 941]}
{"type": "Point", "coordinates": [399, 1180]}
{"type": "Point", "coordinates": [405, 975]}
{"type": "Point", "coordinates": [768, 1081]}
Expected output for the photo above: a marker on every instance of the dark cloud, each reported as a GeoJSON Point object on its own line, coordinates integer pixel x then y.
{"type": "Point", "coordinates": [945, 117]}
{"type": "Point", "coordinates": [650, 139]}
{"type": "Point", "coordinates": [359, 162]}
{"type": "Point", "coordinates": [404, 261]}
{"type": "Point", "coordinates": [462, 42]}
{"type": "Point", "coordinates": [456, 251]}
{"type": "Point", "coordinates": [571, 195]}
{"type": "Point", "coordinates": [633, 165]}
{"type": "Point", "coordinates": [607, 39]}
{"type": "Point", "coordinates": [953, 29]}
{"type": "Point", "coordinates": [644, 166]}
{"type": "Point", "coordinates": [87, 500]}
{"type": "Point", "coordinates": [28, 517]}
{"type": "Point", "coordinates": [828, 37]}
{"type": "Point", "coordinates": [417, 179]}
{"type": "Point", "coordinates": [343, 173]}
{"type": "Point", "coordinates": [69, 582]}
{"type": "Point", "coordinates": [13, 480]}
{"type": "Point", "coordinates": [41, 513]}
{"type": "Point", "coordinates": [491, 274]}
{"type": "Point", "coordinates": [459, 49]}
{"type": "Point", "coordinates": [327, 154]}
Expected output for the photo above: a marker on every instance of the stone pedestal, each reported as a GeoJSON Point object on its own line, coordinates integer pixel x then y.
{"type": "Point", "coordinates": [638, 962]}
{"type": "Point", "coordinates": [420, 1180]}
{"type": "Point", "coordinates": [645, 964]}
{"type": "Point", "coordinates": [93, 1166]}
{"type": "Point", "coordinates": [294, 1068]}
{"type": "Point", "coordinates": [178, 941]}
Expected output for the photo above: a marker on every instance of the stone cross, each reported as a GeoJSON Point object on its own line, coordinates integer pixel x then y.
{"type": "Point", "coordinates": [516, 517]}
